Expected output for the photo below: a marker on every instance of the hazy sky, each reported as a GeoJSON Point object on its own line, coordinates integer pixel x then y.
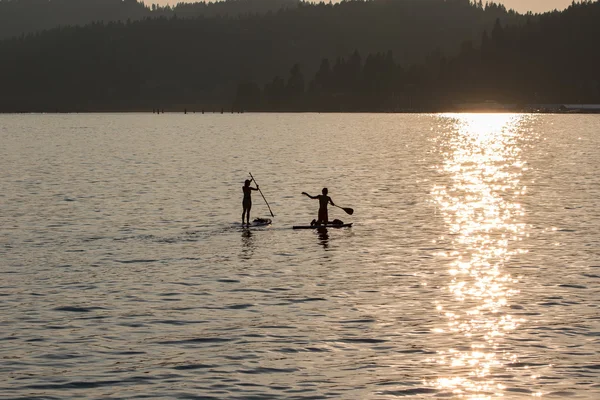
{"type": "Point", "coordinates": [519, 5]}
{"type": "Point", "coordinates": [535, 5]}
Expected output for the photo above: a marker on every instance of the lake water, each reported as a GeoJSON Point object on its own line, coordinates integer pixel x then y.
{"type": "Point", "coordinates": [472, 269]}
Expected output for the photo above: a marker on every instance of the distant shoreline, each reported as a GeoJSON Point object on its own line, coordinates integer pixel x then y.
{"type": "Point", "coordinates": [178, 111]}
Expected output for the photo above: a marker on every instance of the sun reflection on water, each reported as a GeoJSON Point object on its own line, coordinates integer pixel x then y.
{"type": "Point", "coordinates": [480, 205]}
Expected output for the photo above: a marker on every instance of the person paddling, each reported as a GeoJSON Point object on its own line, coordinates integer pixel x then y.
{"type": "Point", "coordinates": [247, 202]}
{"type": "Point", "coordinates": [323, 201]}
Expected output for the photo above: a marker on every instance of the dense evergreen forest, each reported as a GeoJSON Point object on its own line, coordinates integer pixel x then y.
{"type": "Point", "coordinates": [174, 62]}
{"type": "Point", "coordinates": [555, 59]}
{"type": "Point", "coordinates": [361, 55]}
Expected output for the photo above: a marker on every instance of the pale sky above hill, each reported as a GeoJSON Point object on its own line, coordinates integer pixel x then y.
{"type": "Point", "coordinates": [521, 6]}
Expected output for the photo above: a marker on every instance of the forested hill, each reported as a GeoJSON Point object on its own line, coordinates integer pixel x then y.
{"type": "Point", "coordinates": [553, 60]}
{"type": "Point", "coordinates": [171, 62]}
{"type": "Point", "coordinates": [27, 16]}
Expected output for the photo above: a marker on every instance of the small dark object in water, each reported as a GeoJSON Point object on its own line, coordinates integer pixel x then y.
{"type": "Point", "coordinates": [261, 221]}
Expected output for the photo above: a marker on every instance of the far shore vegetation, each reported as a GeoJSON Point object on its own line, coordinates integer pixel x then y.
{"type": "Point", "coordinates": [289, 56]}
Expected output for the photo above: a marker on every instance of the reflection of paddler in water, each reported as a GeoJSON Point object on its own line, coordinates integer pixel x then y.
{"type": "Point", "coordinates": [324, 200]}
{"type": "Point", "coordinates": [323, 237]}
{"type": "Point", "coordinates": [247, 244]}
{"type": "Point", "coordinates": [247, 202]}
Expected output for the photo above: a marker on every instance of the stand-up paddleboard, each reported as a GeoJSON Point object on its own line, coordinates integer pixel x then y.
{"type": "Point", "coordinates": [322, 226]}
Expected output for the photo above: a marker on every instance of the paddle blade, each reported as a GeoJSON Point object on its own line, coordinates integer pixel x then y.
{"type": "Point", "coordinates": [348, 210]}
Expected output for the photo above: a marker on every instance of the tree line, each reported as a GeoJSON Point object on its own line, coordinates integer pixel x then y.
{"type": "Point", "coordinates": [552, 59]}
{"type": "Point", "coordinates": [19, 17]}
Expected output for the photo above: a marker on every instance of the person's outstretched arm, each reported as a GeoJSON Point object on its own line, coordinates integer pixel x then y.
{"type": "Point", "coordinates": [312, 197]}
{"type": "Point", "coordinates": [256, 188]}
{"type": "Point", "coordinates": [331, 202]}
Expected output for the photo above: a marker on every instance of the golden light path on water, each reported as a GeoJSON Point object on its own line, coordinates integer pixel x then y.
{"type": "Point", "coordinates": [479, 202]}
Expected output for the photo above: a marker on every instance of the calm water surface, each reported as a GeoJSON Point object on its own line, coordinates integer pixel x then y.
{"type": "Point", "coordinates": [472, 269]}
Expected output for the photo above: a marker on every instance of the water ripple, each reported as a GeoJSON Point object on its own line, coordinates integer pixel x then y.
{"type": "Point", "coordinates": [471, 270]}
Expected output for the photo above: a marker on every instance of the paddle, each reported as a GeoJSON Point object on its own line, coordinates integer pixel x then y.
{"type": "Point", "coordinates": [347, 209]}
{"type": "Point", "coordinates": [263, 196]}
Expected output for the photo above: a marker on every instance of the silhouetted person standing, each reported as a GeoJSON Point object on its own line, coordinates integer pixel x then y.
{"type": "Point", "coordinates": [247, 202]}
{"type": "Point", "coordinates": [323, 201]}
